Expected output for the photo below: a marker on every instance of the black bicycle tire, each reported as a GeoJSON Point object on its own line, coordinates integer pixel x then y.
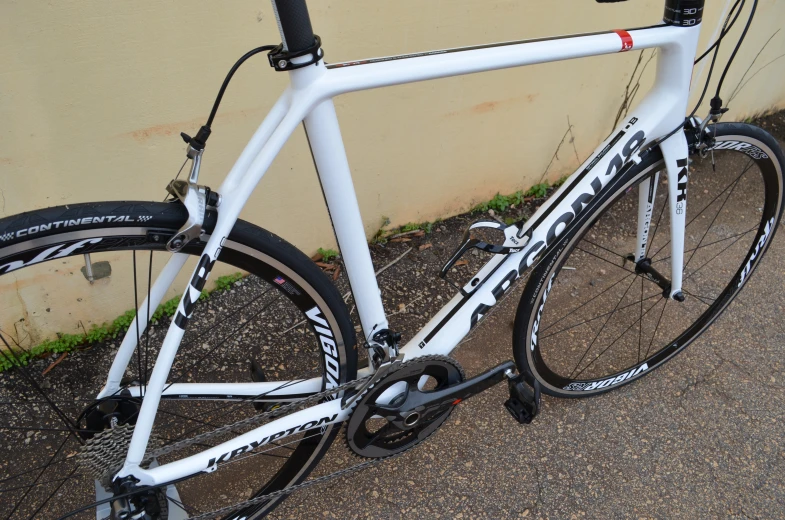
{"type": "Point", "coordinates": [537, 285]}
{"type": "Point", "coordinates": [148, 226]}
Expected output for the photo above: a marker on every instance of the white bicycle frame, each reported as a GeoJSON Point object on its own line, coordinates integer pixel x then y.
{"type": "Point", "coordinates": [309, 100]}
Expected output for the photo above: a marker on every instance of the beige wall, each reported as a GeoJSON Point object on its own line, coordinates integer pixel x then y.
{"type": "Point", "coordinates": [94, 93]}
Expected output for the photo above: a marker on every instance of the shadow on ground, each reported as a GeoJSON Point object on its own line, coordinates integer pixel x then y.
{"type": "Point", "coordinates": [700, 437]}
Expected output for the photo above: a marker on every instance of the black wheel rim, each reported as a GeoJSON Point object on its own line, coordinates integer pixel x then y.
{"type": "Point", "coordinates": [638, 308]}
{"type": "Point", "coordinates": [40, 488]}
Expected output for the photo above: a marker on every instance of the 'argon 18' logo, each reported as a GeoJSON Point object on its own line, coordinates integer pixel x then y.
{"type": "Point", "coordinates": [560, 224]}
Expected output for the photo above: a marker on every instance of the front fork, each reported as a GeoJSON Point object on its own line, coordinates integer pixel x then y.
{"type": "Point", "coordinates": [675, 152]}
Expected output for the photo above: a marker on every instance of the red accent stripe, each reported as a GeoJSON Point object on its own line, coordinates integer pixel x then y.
{"type": "Point", "coordinates": [626, 39]}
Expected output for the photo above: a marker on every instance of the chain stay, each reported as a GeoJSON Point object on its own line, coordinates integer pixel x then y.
{"type": "Point", "coordinates": [313, 399]}
{"type": "Point", "coordinates": [365, 384]}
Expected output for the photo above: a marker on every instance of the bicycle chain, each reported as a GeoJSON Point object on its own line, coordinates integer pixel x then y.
{"type": "Point", "coordinates": [319, 480]}
{"type": "Point", "coordinates": [292, 489]}
{"type": "Point", "coordinates": [312, 399]}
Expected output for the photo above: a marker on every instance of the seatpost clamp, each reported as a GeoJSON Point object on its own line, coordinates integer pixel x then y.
{"type": "Point", "coordinates": [281, 60]}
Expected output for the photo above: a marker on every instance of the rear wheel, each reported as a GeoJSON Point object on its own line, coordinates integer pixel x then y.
{"type": "Point", "coordinates": [255, 311]}
{"type": "Point", "coordinates": [588, 322]}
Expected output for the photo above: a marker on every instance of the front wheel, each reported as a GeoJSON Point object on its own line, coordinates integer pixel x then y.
{"type": "Point", "coordinates": [588, 323]}
{"type": "Point", "coordinates": [260, 306]}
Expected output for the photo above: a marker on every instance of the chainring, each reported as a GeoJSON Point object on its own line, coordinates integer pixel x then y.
{"type": "Point", "coordinates": [370, 435]}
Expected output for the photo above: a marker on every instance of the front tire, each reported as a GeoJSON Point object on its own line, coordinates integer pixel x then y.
{"type": "Point", "coordinates": [587, 323]}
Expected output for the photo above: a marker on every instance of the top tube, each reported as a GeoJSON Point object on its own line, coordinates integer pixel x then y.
{"type": "Point", "coordinates": [294, 22]}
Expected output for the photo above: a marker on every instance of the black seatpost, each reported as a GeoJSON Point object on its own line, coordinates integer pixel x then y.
{"type": "Point", "coordinates": [294, 23]}
{"type": "Point", "coordinates": [685, 13]}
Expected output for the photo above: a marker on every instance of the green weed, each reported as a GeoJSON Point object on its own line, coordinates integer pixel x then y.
{"type": "Point", "coordinates": [327, 254]}
{"type": "Point", "coordinates": [501, 202]}
{"type": "Point", "coordinates": [223, 283]}
{"type": "Point", "coordinates": [97, 334]}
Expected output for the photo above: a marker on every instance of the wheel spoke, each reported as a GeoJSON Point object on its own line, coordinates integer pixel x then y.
{"type": "Point", "coordinates": [605, 259]}
{"type": "Point", "coordinates": [640, 325]}
{"type": "Point", "coordinates": [224, 340]}
{"type": "Point", "coordinates": [45, 482]}
{"type": "Point", "coordinates": [138, 348]}
{"type": "Point", "coordinates": [38, 477]}
{"type": "Point", "coordinates": [704, 208]}
{"type": "Point", "coordinates": [38, 429]}
{"type": "Point", "coordinates": [70, 425]}
{"type": "Point", "coordinates": [617, 339]}
{"type": "Point", "coordinates": [656, 328]}
{"type": "Point", "coordinates": [711, 259]}
{"type": "Point", "coordinates": [736, 183]}
{"type": "Point", "coordinates": [602, 329]}
{"type": "Point", "coordinates": [53, 493]}
{"type": "Point", "coordinates": [658, 295]}
{"type": "Point", "coordinates": [614, 253]}
{"type": "Point", "coordinates": [32, 470]}
{"type": "Point", "coordinates": [181, 505]}
{"type": "Point", "coordinates": [701, 299]}
{"type": "Point", "coordinates": [147, 329]}
{"type": "Point", "coordinates": [709, 244]}
{"type": "Point", "coordinates": [570, 313]}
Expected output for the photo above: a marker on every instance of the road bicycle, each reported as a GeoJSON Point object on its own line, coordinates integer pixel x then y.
{"type": "Point", "coordinates": [172, 423]}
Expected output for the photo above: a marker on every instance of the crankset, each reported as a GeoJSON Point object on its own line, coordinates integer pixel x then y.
{"type": "Point", "coordinates": [408, 404]}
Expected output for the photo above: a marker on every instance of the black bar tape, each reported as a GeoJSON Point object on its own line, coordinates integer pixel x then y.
{"type": "Point", "coordinates": [295, 24]}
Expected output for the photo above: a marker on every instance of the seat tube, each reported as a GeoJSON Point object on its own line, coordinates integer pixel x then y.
{"type": "Point", "coordinates": [329, 155]}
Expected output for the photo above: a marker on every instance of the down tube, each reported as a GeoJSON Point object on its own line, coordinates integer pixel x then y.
{"type": "Point", "coordinates": [464, 311]}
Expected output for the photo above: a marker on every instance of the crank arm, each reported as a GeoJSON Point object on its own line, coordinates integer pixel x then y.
{"type": "Point", "coordinates": [449, 396]}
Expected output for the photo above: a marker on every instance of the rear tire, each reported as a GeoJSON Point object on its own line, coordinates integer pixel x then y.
{"type": "Point", "coordinates": [33, 240]}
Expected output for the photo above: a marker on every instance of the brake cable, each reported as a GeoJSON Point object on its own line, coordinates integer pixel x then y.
{"type": "Point", "coordinates": [199, 141]}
